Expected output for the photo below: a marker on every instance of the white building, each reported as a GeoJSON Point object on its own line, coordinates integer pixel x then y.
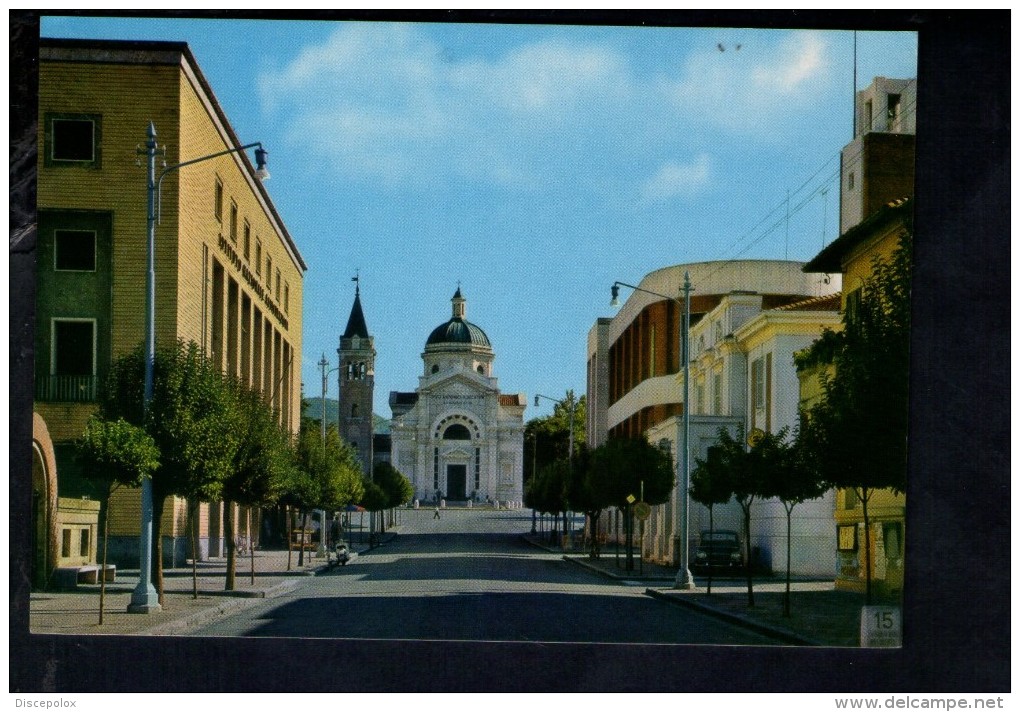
{"type": "Point", "coordinates": [743, 378]}
{"type": "Point", "coordinates": [457, 437]}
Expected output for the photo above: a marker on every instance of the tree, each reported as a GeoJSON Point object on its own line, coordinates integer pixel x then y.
{"type": "Point", "coordinates": [374, 499]}
{"type": "Point", "coordinates": [856, 436]}
{"type": "Point", "coordinates": [191, 419]}
{"type": "Point", "coordinates": [548, 438]}
{"type": "Point", "coordinates": [750, 473]}
{"type": "Point", "coordinates": [624, 469]}
{"type": "Point", "coordinates": [398, 488]}
{"type": "Point", "coordinates": [710, 486]}
{"type": "Point", "coordinates": [115, 453]}
{"type": "Point", "coordinates": [327, 476]}
{"type": "Point", "coordinates": [261, 467]}
{"type": "Point", "coordinates": [793, 481]}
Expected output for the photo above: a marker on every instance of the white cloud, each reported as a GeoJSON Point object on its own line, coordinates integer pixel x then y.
{"type": "Point", "coordinates": [676, 180]}
{"type": "Point", "coordinates": [386, 102]}
{"type": "Point", "coordinates": [757, 89]}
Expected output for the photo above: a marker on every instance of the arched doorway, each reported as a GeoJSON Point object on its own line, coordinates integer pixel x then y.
{"type": "Point", "coordinates": [44, 504]}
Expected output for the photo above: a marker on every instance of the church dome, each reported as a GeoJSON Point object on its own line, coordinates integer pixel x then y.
{"type": "Point", "coordinates": [458, 330]}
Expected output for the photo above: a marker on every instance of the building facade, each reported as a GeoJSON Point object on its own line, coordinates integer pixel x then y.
{"type": "Point", "coordinates": [876, 208]}
{"type": "Point", "coordinates": [228, 274]}
{"type": "Point", "coordinates": [744, 378]}
{"type": "Point", "coordinates": [458, 437]}
{"type": "Point", "coordinates": [640, 351]}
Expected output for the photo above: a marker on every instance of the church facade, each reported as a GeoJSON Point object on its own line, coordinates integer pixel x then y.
{"type": "Point", "coordinates": [457, 437]}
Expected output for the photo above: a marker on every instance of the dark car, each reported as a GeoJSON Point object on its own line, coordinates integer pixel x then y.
{"type": "Point", "coordinates": [719, 551]}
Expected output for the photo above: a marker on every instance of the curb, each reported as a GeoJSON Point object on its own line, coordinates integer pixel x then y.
{"type": "Point", "coordinates": [611, 575]}
{"type": "Point", "coordinates": [762, 628]}
{"type": "Point", "coordinates": [180, 625]}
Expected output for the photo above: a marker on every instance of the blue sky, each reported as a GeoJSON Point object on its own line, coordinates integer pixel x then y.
{"type": "Point", "coordinates": [534, 164]}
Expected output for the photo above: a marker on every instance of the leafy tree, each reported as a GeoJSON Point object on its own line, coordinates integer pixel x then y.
{"type": "Point", "coordinates": [548, 437]}
{"type": "Point", "coordinates": [261, 467]}
{"type": "Point", "coordinates": [793, 481]}
{"type": "Point", "coordinates": [328, 475]}
{"type": "Point", "coordinates": [750, 473]}
{"type": "Point", "coordinates": [398, 488]}
{"type": "Point", "coordinates": [623, 468]}
{"type": "Point", "coordinates": [373, 500]}
{"type": "Point", "coordinates": [856, 436]}
{"type": "Point", "coordinates": [710, 486]}
{"type": "Point", "coordinates": [549, 489]}
{"type": "Point", "coordinates": [191, 419]}
{"type": "Point", "coordinates": [115, 453]}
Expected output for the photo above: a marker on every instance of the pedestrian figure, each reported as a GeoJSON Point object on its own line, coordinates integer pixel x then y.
{"type": "Point", "coordinates": [436, 515]}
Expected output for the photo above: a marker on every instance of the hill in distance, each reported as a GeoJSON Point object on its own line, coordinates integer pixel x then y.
{"type": "Point", "coordinates": [313, 410]}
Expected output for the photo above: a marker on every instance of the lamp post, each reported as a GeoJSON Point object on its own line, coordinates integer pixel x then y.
{"type": "Point", "coordinates": [684, 579]}
{"type": "Point", "coordinates": [534, 466]}
{"type": "Point", "coordinates": [570, 452]}
{"type": "Point", "coordinates": [324, 365]}
{"type": "Point", "coordinates": [144, 598]}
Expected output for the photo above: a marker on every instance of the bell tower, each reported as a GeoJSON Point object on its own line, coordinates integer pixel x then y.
{"type": "Point", "coordinates": [357, 383]}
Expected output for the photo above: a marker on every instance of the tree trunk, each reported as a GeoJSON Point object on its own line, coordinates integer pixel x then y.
{"type": "Point", "coordinates": [193, 532]}
{"type": "Point", "coordinates": [789, 535]}
{"type": "Point", "coordinates": [288, 520]}
{"type": "Point", "coordinates": [301, 542]}
{"type": "Point", "coordinates": [629, 524]}
{"type": "Point", "coordinates": [251, 545]}
{"type": "Point", "coordinates": [158, 502]}
{"type": "Point", "coordinates": [229, 534]}
{"type": "Point", "coordinates": [747, 549]}
{"type": "Point", "coordinates": [867, 547]}
{"type": "Point", "coordinates": [711, 534]}
{"type": "Point", "coordinates": [106, 550]}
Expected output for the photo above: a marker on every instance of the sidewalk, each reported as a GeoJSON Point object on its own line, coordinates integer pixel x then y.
{"type": "Point", "coordinates": [819, 614]}
{"type": "Point", "coordinates": [77, 612]}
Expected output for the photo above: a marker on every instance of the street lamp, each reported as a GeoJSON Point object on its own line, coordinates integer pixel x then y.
{"type": "Point", "coordinates": [324, 364]}
{"type": "Point", "coordinates": [684, 579]}
{"type": "Point", "coordinates": [144, 598]}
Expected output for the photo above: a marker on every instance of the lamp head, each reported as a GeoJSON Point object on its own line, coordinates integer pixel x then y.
{"type": "Point", "coordinates": [261, 159]}
{"type": "Point", "coordinates": [536, 401]}
{"type": "Point", "coordinates": [615, 301]}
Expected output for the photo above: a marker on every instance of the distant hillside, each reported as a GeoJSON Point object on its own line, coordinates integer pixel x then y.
{"type": "Point", "coordinates": [313, 410]}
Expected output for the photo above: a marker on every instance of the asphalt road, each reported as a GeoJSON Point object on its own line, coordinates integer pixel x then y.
{"type": "Point", "coordinates": [469, 576]}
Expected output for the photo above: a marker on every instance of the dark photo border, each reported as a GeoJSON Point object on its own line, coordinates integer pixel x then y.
{"type": "Point", "coordinates": [957, 584]}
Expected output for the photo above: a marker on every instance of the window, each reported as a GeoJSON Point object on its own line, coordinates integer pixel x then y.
{"type": "Point", "coordinates": [481, 369]}
{"type": "Point", "coordinates": [218, 200]}
{"type": "Point", "coordinates": [74, 250]}
{"type": "Point", "coordinates": [286, 298]}
{"type": "Point", "coordinates": [269, 270]}
{"type": "Point", "coordinates": [74, 139]}
{"type": "Point", "coordinates": [233, 222]}
{"type": "Point", "coordinates": [869, 111]}
{"type": "Point", "coordinates": [893, 103]}
{"type": "Point", "coordinates": [65, 543]}
{"type": "Point", "coordinates": [258, 256]}
{"type": "Point", "coordinates": [435, 368]}
{"type": "Point", "coordinates": [758, 384]}
{"type": "Point", "coordinates": [850, 181]}
{"type": "Point", "coordinates": [247, 241]}
{"type": "Point", "coordinates": [277, 285]}
{"type": "Point", "coordinates": [850, 498]}
{"type": "Point", "coordinates": [83, 548]}
{"type": "Point", "coordinates": [457, 432]}
{"type": "Point", "coordinates": [73, 347]}
{"type": "Point", "coordinates": [852, 308]}
{"type": "Point", "coordinates": [354, 410]}
{"type": "Point", "coordinates": [717, 400]}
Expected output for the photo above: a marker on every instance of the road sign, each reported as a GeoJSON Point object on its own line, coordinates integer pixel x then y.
{"type": "Point", "coordinates": [631, 499]}
{"type": "Point", "coordinates": [642, 510]}
{"type": "Point", "coordinates": [755, 436]}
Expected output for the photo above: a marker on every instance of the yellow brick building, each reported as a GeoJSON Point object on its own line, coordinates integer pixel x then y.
{"type": "Point", "coordinates": [228, 274]}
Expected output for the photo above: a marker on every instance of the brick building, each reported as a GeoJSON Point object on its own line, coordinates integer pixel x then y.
{"type": "Point", "coordinates": [228, 274]}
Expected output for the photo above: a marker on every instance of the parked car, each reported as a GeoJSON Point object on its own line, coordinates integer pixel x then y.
{"type": "Point", "coordinates": [719, 550]}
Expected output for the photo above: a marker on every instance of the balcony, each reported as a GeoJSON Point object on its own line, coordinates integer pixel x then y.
{"type": "Point", "coordinates": [65, 389]}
